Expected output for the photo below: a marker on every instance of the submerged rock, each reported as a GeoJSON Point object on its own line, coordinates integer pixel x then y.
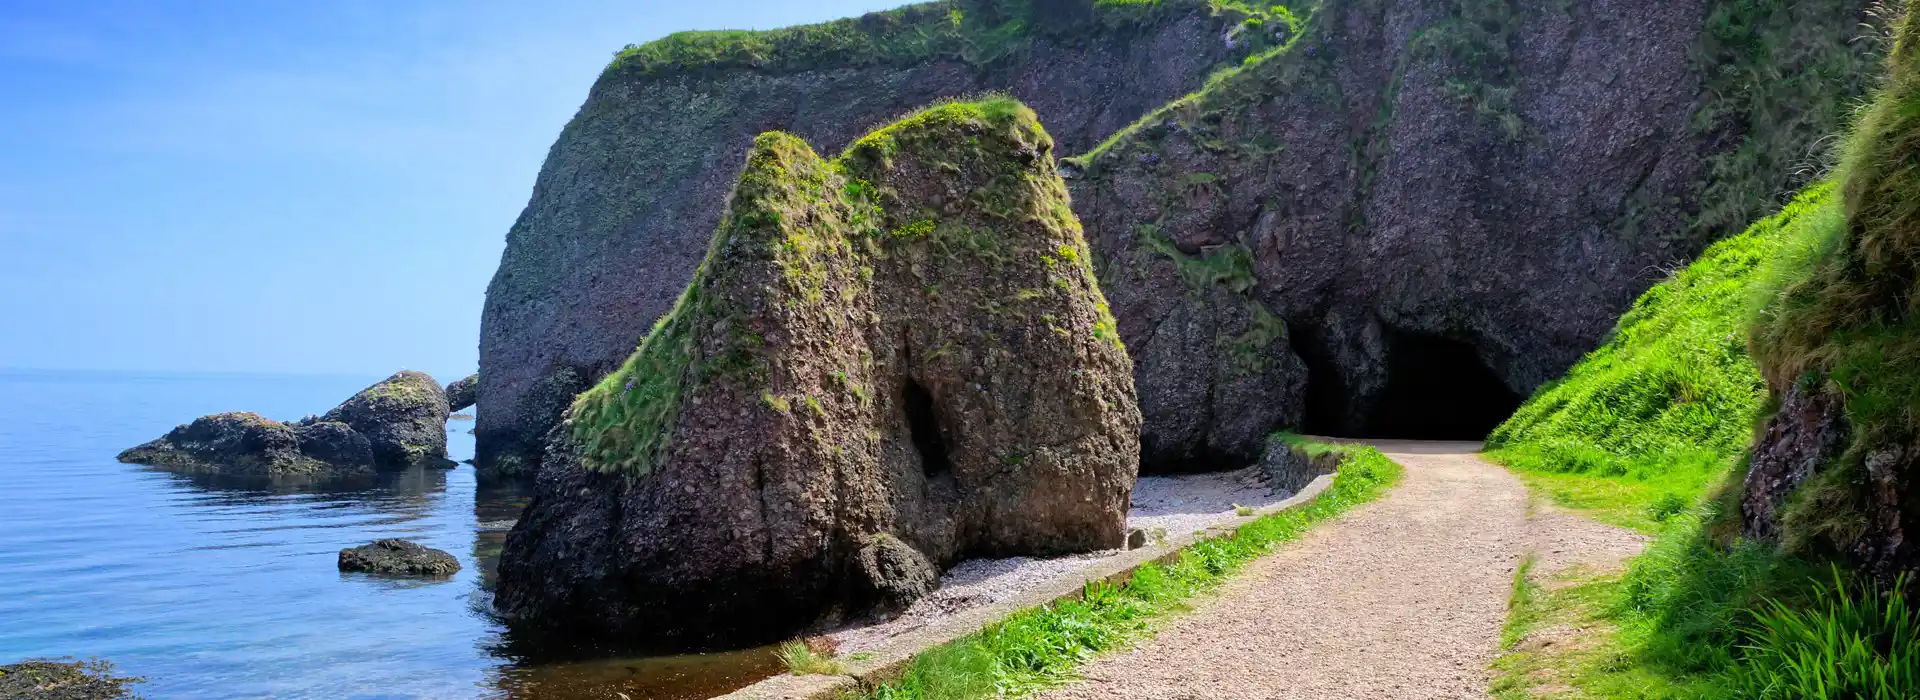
{"type": "Point", "coordinates": [463, 393]}
{"type": "Point", "coordinates": [395, 424]}
{"type": "Point", "coordinates": [250, 444]}
{"type": "Point", "coordinates": [50, 679]}
{"type": "Point", "coordinates": [900, 355]}
{"type": "Point", "coordinates": [404, 418]}
{"type": "Point", "coordinates": [398, 557]}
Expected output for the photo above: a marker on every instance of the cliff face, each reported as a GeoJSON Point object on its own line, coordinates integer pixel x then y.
{"type": "Point", "coordinates": [1390, 191]}
{"type": "Point", "coordinates": [634, 186]}
{"type": "Point", "coordinates": [1415, 193]}
{"type": "Point", "coordinates": [886, 362]}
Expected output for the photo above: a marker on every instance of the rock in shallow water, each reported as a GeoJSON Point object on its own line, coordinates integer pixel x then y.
{"type": "Point", "coordinates": [398, 557]}
{"type": "Point", "coordinates": [49, 679]}
{"type": "Point", "coordinates": [395, 424]}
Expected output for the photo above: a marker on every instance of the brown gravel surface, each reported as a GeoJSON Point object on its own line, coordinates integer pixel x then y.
{"type": "Point", "coordinates": [1400, 598]}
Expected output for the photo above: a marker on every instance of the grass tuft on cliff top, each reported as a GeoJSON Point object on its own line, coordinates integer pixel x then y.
{"type": "Point", "coordinates": [977, 32]}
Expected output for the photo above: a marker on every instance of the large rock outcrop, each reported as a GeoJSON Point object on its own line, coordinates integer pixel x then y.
{"type": "Point", "coordinates": [397, 423]}
{"type": "Point", "coordinates": [1490, 182]}
{"type": "Point", "coordinates": [253, 445]}
{"type": "Point", "coordinates": [1421, 210]}
{"type": "Point", "coordinates": [1836, 469]}
{"type": "Point", "coordinates": [887, 362]}
{"type": "Point", "coordinates": [633, 188]}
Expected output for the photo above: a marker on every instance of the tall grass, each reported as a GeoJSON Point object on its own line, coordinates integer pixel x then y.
{"type": "Point", "coordinates": [1042, 648]}
{"type": "Point", "coordinates": [1851, 641]}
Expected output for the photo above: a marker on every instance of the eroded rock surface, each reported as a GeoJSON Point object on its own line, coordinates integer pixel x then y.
{"type": "Point", "coordinates": [404, 419]}
{"type": "Point", "coordinates": [1488, 184]}
{"type": "Point", "coordinates": [398, 557]}
{"type": "Point", "coordinates": [463, 393]}
{"type": "Point", "coordinates": [903, 346]}
{"type": "Point", "coordinates": [253, 445]}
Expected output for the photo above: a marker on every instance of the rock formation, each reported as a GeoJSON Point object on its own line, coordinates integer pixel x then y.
{"type": "Point", "coordinates": [404, 417]}
{"type": "Point", "coordinates": [628, 196]}
{"type": "Point", "coordinates": [1490, 182]}
{"type": "Point", "coordinates": [1416, 209]}
{"type": "Point", "coordinates": [249, 444]}
{"type": "Point", "coordinates": [887, 362]}
{"type": "Point", "coordinates": [1836, 469]}
{"type": "Point", "coordinates": [464, 393]}
{"type": "Point", "coordinates": [395, 424]}
{"type": "Point", "coordinates": [398, 557]}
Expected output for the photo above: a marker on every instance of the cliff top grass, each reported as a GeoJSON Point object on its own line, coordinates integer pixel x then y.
{"type": "Point", "coordinates": [978, 32]}
{"type": "Point", "coordinates": [820, 229]}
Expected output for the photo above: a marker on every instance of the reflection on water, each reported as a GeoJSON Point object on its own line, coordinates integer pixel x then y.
{"type": "Point", "coordinates": [222, 587]}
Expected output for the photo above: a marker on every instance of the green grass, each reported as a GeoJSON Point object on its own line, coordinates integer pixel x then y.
{"type": "Point", "coordinates": [1849, 328]}
{"type": "Point", "coordinates": [802, 660]}
{"type": "Point", "coordinates": [977, 32]}
{"type": "Point", "coordinates": [1042, 648]}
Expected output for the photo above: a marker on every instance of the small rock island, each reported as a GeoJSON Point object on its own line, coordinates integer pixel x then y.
{"type": "Point", "coordinates": [395, 424]}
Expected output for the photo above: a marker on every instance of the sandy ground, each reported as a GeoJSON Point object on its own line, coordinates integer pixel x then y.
{"type": "Point", "coordinates": [1401, 598]}
{"type": "Point", "coordinates": [1163, 504]}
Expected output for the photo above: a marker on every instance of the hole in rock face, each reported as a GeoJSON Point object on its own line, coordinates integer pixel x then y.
{"type": "Point", "coordinates": [924, 424]}
{"type": "Point", "coordinates": [1437, 389]}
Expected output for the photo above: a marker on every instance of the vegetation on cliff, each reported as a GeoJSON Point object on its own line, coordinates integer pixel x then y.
{"type": "Point", "coordinates": [977, 32]}
{"type": "Point", "coordinates": [1656, 430]}
{"type": "Point", "coordinates": [889, 360]}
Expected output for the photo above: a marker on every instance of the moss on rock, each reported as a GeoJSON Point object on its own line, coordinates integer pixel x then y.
{"type": "Point", "coordinates": [906, 341]}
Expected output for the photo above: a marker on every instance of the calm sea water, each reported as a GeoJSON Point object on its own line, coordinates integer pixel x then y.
{"type": "Point", "coordinates": [223, 588]}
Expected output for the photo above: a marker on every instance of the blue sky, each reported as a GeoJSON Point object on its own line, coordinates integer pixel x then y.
{"type": "Point", "coordinates": [315, 187]}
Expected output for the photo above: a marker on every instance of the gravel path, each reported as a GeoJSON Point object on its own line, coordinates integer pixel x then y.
{"type": "Point", "coordinates": [1401, 598]}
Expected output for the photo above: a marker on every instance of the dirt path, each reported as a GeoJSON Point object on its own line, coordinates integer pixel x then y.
{"type": "Point", "coordinates": [1401, 598]}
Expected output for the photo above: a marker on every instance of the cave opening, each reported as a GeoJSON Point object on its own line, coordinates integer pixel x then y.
{"type": "Point", "coordinates": [923, 424]}
{"type": "Point", "coordinates": [1437, 389]}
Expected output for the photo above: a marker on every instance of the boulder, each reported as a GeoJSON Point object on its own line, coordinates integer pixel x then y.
{"type": "Point", "coordinates": [899, 354]}
{"type": "Point", "coordinates": [250, 444]}
{"type": "Point", "coordinates": [398, 557]}
{"type": "Point", "coordinates": [893, 574]}
{"type": "Point", "coordinates": [1288, 468]}
{"type": "Point", "coordinates": [464, 393]}
{"type": "Point", "coordinates": [403, 417]}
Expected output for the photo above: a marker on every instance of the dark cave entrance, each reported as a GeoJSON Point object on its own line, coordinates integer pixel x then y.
{"type": "Point", "coordinates": [1437, 389]}
{"type": "Point", "coordinates": [923, 423]}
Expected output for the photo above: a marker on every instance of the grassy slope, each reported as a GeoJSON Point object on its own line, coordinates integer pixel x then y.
{"type": "Point", "coordinates": [1654, 427]}
{"type": "Point", "coordinates": [1042, 648]}
{"type": "Point", "coordinates": [1662, 409]}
